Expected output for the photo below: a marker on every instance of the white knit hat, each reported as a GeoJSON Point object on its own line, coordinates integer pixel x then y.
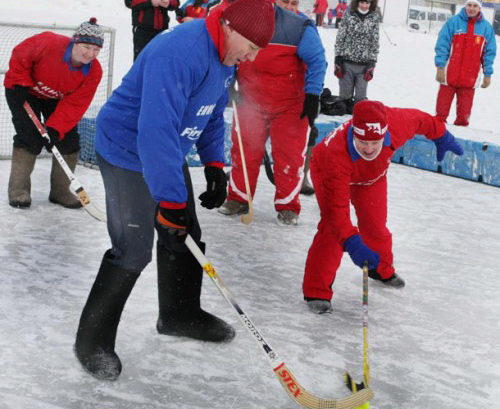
{"type": "Point", "coordinates": [478, 2]}
{"type": "Point", "coordinates": [89, 32]}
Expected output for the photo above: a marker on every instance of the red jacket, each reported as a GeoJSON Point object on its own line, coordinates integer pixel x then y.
{"type": "Point", "coordinates": [145, 15]}
{"type": "Point", "coordinates": [320, 7]}
{"type": "Point", "coordinates": [341, 166]}
{"type": "Point", "coordinates": [341, 8]}
{"type": "Point", "coordinates": [42, 63]}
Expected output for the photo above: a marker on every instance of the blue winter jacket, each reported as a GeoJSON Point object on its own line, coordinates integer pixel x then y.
{"type": "Point", "coordinates": [463, 45]}
{"type": "Point", "coordinates": [173, 97]}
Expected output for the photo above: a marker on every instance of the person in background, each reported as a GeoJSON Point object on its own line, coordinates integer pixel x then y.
{"type": "Point", "coordinates": [306, 189]}
{"type": "Point", "coordinates": [356, 50]}
{"type": "Point", "coordinates": [173, 97]}
{"type": "Point", "coordinates": [320, 7]}
{"type": "Point", "coordinates": [341, 10]}
{"type": "Point", "coordinates": [58, 76]}
{"type": "Point", "coordinates": [466, 43]}
{"type": "Point", "coordinates": [149, 18]}
{"type": "Point", "coordinates": [192, 9]}
{"type": "Point", "coordinates": [331, 15]}
{"type": "Point", "coordinates": [278, 98]}
{"type": "Point", "coordinates": [350, 166]}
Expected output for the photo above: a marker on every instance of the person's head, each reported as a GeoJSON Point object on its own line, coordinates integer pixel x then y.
{"type": "Point", "coordinates": [88, 40]}
{"type": "Point", "coordinates": [472, 8]}
{"type": "Point", "coordinates": [364, 6]}
{"type": "Point", "coordinates": [292, 5]}
{"type": "Point", "coordinates": [369, 123]}
{"type": "Point", "coordinates": [248, 26]}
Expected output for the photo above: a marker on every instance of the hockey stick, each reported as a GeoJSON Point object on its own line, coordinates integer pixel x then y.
{"type": "Point", "coordinates": [246, 218]}
{"type": "Point", "coordinates": [350, 383]}
{"type": "Point", "coordinates": [75, 184]}
{"type": "Point", "coordinates": [281, 371]}
{"type": "Point", "coordinates": [388, 38]}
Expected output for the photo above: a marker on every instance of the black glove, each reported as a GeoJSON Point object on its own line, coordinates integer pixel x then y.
{"type": "Point", "coordinates": [175, 221]}
{"type": "Point", "coordinates": [54, 137]}
{"type": "Point", "coordinates": [369, 69]}
{"type": "Point", "coordinates": [312, 136]}
{"type": "Point", "coordinates": [311, 108]}
{"type": "Point", "coordinates": [339, 67]}
{"type": "Point", "coordinates": [216, 188]}
{"type": "Point", "coordinates": [21, 93]}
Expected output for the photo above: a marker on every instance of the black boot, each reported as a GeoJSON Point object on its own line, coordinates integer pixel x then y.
{"type": "Point", "coordinates": [179, 288]}
{"type": "Point", "coordinates": [394, 281]}
{"type": "Point", "coordinates": [95, 339]}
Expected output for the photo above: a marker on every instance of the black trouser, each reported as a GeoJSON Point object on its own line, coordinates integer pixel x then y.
{"type": "Point", "coordinates": [142, 36]}
{"type": "Point", "coordinates": [27, 135]}
{"type": "Point", "coordinates": [131, 215]}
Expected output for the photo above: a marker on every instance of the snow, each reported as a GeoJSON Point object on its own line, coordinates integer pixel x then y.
{"type": "Point", "coordinates": [433, 344]}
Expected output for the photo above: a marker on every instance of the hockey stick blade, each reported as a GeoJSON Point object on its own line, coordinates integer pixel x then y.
{"type": "Point", "coordinates": [75, 184]}
{"type": "Point", "coordinates": [287, 380]}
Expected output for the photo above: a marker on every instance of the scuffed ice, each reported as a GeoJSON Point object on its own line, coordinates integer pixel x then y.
{"type": "Point", "coordinates": [432, 345]}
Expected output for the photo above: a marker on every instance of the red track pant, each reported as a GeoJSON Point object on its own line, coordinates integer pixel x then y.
{"type": "Point", "coordinates": [288, 142]}
{"type": "Point", "coordinates": [465, 99]}
{"type": "Point", "coordinates": [325, 254]}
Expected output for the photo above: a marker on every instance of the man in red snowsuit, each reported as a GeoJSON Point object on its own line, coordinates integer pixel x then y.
{"type": "Point", "coordinates": [350, 165]}
{"type": "Point", "coordinates": [278, 97]}
{"type": "Point", "coordinates": [58, 76]}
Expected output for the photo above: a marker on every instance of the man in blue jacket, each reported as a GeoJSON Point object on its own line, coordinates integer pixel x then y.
{"type": "Point", "coordinates": [173, 97]}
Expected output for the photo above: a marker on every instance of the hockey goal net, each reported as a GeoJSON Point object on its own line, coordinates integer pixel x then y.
{"type": "Point", "coordinates": [11, 35]}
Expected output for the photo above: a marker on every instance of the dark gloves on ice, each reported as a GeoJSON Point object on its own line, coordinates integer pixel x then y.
{"type": "Point", "coordinates": [370, 68]}
{"type": "Point", "coordinates": [21, 93]}
{"type": "Point", "coordinates": [339, 69]}
{"type": "Point", "coordinates": [216, 188]}
{"type": "Point", "coordinates": [447, 143]}
{"type": "Point", "coordinates": [54, 137]}
{"type": "Point", "coordinates": [360, 252]}
{"type": "Point", "coordinates": [313, 135]}
{"type": "Point", "coordinates": [174, 221]}
{"type": "Point", "coordinates": [310, 108]}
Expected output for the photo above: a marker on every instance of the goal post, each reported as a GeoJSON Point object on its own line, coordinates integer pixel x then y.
{"type": "Point", "coordinates": [12, 34]}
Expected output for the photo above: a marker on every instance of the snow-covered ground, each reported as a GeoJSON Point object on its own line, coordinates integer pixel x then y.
{"type": "Point", "coordinates": [432, 345]}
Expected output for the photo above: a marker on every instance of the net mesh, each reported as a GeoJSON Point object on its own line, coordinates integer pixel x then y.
{"type": "Point", "coordinates": [11, 35]}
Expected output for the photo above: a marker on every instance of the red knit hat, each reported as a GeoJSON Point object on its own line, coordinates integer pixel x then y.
{"type": "Point", "coordinates": [253, 19]}
{"type": "Point", "coordinates": [369, 120]}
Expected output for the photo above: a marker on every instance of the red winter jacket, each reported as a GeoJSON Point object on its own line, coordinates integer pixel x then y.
{"type": "Point", "coordinates": [145, 15]}
{"type": "Point", "coordinates": [42, 62]}
{"type": "Point", "coordinates": [341, 166]}
{"type": "Point", "coordinates": [341, 8]}
{"type": "Point", "coordinates": [320, 7]}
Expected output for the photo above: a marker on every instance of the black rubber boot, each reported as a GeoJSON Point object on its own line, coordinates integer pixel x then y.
{"type": "Point", "coordinates": [95, 339]}
{"type": "Point", "coordinates": [394, 281]}
{"type": "Point", "coordinates": [179, 288]}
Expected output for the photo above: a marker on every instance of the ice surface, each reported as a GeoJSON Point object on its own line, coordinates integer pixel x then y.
{"type": "Point", "coordinates": [433, 344]}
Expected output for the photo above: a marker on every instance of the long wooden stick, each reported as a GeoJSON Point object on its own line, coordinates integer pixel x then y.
{"type": "Point", "coordinates": [246, 218]}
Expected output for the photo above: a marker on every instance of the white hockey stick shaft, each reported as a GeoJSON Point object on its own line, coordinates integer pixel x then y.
{"type": "Point", "coordinates": [75, 184]}
{"type": "Point", "coordinates": [246, 218]}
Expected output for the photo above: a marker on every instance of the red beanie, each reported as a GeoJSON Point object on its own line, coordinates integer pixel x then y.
{"type": "Point", "coordinates": [253, 19]}
{"type": "Point", "coordinates": [369, 120]}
